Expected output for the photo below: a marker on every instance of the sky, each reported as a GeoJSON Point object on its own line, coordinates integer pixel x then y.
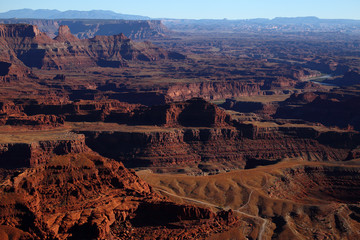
{"type": "Point", "coordinates": [202, 9]}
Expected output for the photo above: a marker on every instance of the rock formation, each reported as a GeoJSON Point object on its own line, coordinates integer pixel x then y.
{"type": "Point", "coordinates": [136, 30]}
{"type": "Point", "coordinates": [213, 90]}
{"type": "Point", "coordinates": [225, 148]}
{"type": "Point", "coordinates": [64, 35]}
{"type": "Point", "coordinates": [285, 162]}
{"type": "Point", "coordinates": [37, 50]}
{"type": "Point", "coordinates": [85, 196]}
{"type": "Point", "coordinates": [263, 109]}
{"type": "Point", "coordinates": [18, 151]}
{"type": "Point", "coordinates": [330, 109]}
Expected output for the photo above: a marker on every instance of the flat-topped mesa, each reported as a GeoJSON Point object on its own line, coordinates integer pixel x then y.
{"type": "Point", "coordinates": [19, 30]}
{"type": "Point", "coordinates": [195, 112]}
{"type": "Point", "coordinates": [302, 98]}
{"type": "Point", "coordinates": [31, 149]}
{"type": "Point", "coordinates": [25, 45]}
{"type": "Point", "coordinates": [64, 34]}
{"type": "Point", "coordinates": [329, 109]}
{"type": "Point", "coordinates": [213, 90]}
{"type": "Point", "coordinates": [13, 31]}
{"type": "Point", "coordinates": [247, 146]}
{"type": "Point", "coordinates": [199, 113]}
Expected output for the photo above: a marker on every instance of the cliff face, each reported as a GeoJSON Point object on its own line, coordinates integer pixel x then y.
{"type": "Point", "coordinates": [85, 196]}
{"type": "Point", "coordinates": [11, 68]}
{"type": "Point", "coordinates": [187, 133]}
{"type": "Point", "coordinates": [35, 49]}
{"type": "Point", "coordinates": [195, 112]}
{"type": "Point", "coordinates": [329, 109]}
{"type": "Point", "coordinates": [85, 111]}
{"type": "Point", "coordinates": [22, 31]}
{"type": "Point", "coordinates": [53, 186]}
{"type": "Point", "coordinates": [227, 148]}
{"type": "Point", "coordinates": [136, 29]}
{"type": "Point", "coordinates": [24, 153]}
{"type": "Point", "coordinates": [213, 90]}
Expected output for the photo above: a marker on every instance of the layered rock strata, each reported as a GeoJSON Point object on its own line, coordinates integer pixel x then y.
{"type": "Point", "coordinates": [17, 150]}
{"type": "Point", "coordinates": [244, 147]}
{"type": "Point", "coordinates": [27, 45]}
{"type": "Point", "coordinates": [85, 196]}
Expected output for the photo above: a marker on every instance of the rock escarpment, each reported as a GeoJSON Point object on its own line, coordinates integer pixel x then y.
{"type": "Point", "coordinates": [330, 109]}
{"type": "Point", "coordinates": [194, 133]}
{"type": "Point", "coordinates": [195, 112]}
{"type": "Point", "coordinates": [26, 44]}
{"type": "Point", "coordinates": [245, 147]}
{"type": "Point", "coordinates": [213, 90]}
{"type": "Point", "coordinates": [28, 150]}
{"type": "Point", "coordinates": [85, 196]}
{"type": "Point", "coordinates": [136, 29]}
{"type": "Point", "coordinates": [85, 111]}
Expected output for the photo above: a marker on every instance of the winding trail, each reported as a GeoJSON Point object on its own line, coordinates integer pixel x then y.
{"type": "Point", "coordinates": [188, 199]}
{"type": "Point", "coordinates": [264, 220]}
{"type": "Point", "coordinates": [248, 201]}
{"type": "Point", "coordinates": [262, 227]}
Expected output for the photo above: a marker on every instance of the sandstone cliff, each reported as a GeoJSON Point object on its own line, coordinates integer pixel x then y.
{"type": "Point", "coordinates": [33, 48]}
{"type": "Point", "coordinates": [245, 146]}
{"type": "Point", "coordinates": [139, 30]}
{"type": "Point", "coordinates": [85, 196]}
{"type": "Point", "coordinates": [331, 109]}
{"type": "Point", "coordinates": [30, 149]}
{"type": "Point", "coordinates": [213, 90]}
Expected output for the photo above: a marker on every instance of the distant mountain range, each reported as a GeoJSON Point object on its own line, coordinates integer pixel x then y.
{"type": "Point", "coordinates": [107, 14]}
{"type": "Point", "coordinates": [87, 24]}
{"type": "Point", "coordinates": [71, 14]}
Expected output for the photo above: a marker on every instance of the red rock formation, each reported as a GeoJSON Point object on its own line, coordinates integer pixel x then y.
{"type": "Point", "coordinates": [67, 52]}
{"type": "Point", "coordinates": [64, 35]}
{"type": "Point", "coordinates": [85, 111]}
{"type": "Point", "coordinates": [24, 153]}
{"type": "Point", "coordinates": [21, 30]}
{"type": "Point", "coordinates": [330, 109]}
{"type": "Point", "coordinates": [134, 29]}
{"type": "Point", "coordinates": [301, 98]}
{"type": "Point", "coordinates": [10, 72]}
{"type": "Point", "coordinates": [195, 112]}
{"type": "Point", "coordinates": [213, 90]}
{"type": "Point", "coordinates": [8, 108]}
{"type": "Point", "coordinates": [226, 148]}
{"type": "Point", "coordinates": [39, 121]}
{"type": "Point", "coordinates": [88, 197]}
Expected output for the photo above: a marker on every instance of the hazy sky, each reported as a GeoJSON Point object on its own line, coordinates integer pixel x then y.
{"type": "Point", "coordinates": [197, 9]}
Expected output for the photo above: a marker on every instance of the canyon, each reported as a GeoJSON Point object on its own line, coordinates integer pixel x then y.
{"type": "Point", "coordinates": [194, 135]}
{"type": "Point", "coordinates": [136, 30]}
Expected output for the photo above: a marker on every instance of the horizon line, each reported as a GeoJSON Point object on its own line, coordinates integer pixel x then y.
{"type": "Point", "coordinates": [167, 18]}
